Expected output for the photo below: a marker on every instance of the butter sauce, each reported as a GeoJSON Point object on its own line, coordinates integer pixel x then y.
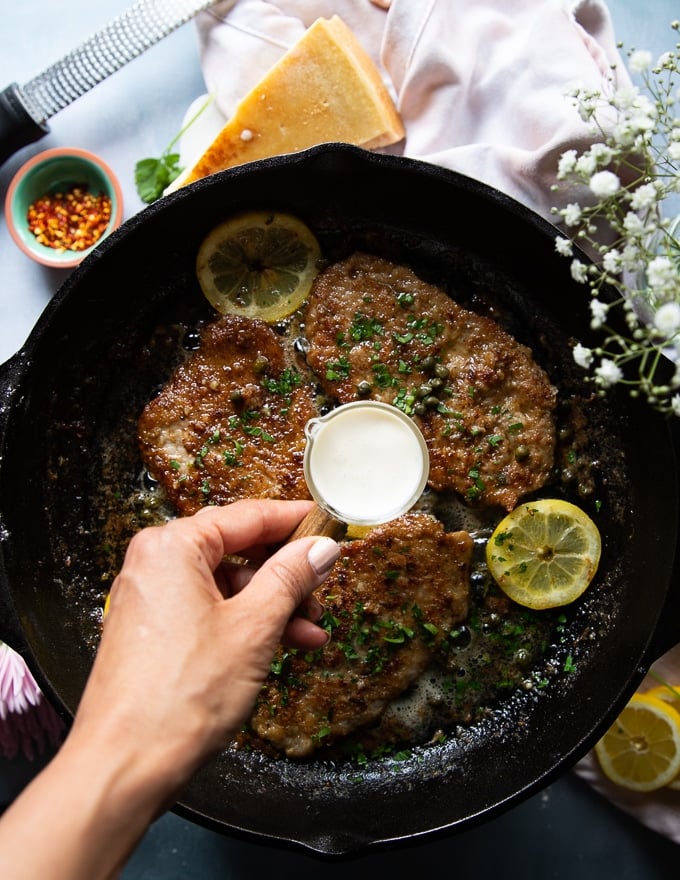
{"type": "Point", "coordinates": [366, 462]}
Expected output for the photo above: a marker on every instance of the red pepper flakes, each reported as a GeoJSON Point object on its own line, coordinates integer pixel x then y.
{"type": "Point", "coordinates": [73, 220]}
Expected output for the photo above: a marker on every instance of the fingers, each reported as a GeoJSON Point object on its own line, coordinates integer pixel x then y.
{"type": "Point", "coordinates": [285, 583]}
{"type": "Point", "coordinates": [244, 525]}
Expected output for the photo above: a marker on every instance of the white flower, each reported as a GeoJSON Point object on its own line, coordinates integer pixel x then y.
{"type": "Point", "coordinates": [602, 154]}
{"type": "Point", "coordinates": [662, 275]}
{"type": "Point", "coordinates": [644, 197]}
{"type": "Point", "coordinates": [639, 61]}
{"type": "Point", "coordinates": [583, 356]}
{"type": "Point", "coordinates": [579, 271]}
{"type": "Point", "coordinates": [608, 373]}
{"type": "Point", "coordinates": [674, 151]}
{"type": "Point", "coordinates": [667, 319]}
{"type": "Point", "coordinates": [572, 214]}
{"type": "Point", "coordinates": [566, 164]}
{"type": "Point", "coordinates": [666, 60]}
{"type": "Point", "coordinates": [586, 164]}
{"type": "Point", "coordinates": [598, 311]}
{"type": "Point", "coordinates": [675, 404]}
{"type": "Point", "coordinates": [564, 246]}
{"type": "Point", "coordinates": [632, 224]}
{"type": "Point", "coordinates": [612, 262]}
{"type": "Point", "coordinates": [605, 184]}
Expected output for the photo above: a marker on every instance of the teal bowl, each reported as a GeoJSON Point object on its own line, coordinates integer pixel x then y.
{"type": "Point", "coordinates": [47, 174]}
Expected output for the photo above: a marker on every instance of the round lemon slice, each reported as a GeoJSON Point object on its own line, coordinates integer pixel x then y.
{"type": "Point", "coordinates": [544, 553]}
{"type": "Point", "coordinates": [641, 750]}
{"type": "Point", "coordinates": [259, 264]}
{"type": "Point", "coordinates": [669, 694]}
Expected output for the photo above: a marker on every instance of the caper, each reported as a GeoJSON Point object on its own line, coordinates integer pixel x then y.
{"type": "Point", "coordinates": [432, 402]}
{"type": "Point", "coordinates": [420, 409]}
{"type": "Point", "coordinates": [260, 364]}
{"type": "Point", "coordinates": [364, 388]}
{"type": "Point", "coordinates": [236, 396]}
{"type": "Point", "coordinates": [436, 384]}
{"type": "Point", "coordinates": [428, 364]}
{"type": "Point", "coordinates": [423, 391]}
{"type": "Point", "coordinates": [522, 452]}
{"type": "Point", "coordinates": [441, 371]}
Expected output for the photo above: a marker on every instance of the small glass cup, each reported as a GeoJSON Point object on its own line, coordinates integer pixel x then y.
{"type": "Point", "coordinates": [365, 462]}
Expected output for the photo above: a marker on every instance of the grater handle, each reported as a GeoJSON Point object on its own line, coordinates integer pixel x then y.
{"type": "Point", "coordinates": [18, 127]}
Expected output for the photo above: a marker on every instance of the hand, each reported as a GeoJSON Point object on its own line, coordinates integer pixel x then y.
{"type": "Point", "coordinates": [185, 648]}
{"type": "Point", "coordinates": [188, 641]}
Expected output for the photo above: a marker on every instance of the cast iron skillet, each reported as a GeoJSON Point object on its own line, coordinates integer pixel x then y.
{"type": "Point", "coordinates": [97, 354]}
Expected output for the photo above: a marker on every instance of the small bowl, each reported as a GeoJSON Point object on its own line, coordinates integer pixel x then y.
{"type": "Point", "coordinates": [50, 172]}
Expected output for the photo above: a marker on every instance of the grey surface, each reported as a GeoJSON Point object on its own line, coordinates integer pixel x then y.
{"type": "Point", "coordinates": [565, 831]}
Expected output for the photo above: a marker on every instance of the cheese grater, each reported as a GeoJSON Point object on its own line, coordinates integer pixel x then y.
{"type": "Point", "coordinates": [24, 110]}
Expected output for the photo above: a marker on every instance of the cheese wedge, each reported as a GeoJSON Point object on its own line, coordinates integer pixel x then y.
{"type": "Point", "coordinates": [325, 88]}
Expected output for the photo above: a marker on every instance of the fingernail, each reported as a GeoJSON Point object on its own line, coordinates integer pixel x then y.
{"type": "Point", "coordinates": [322, 555]}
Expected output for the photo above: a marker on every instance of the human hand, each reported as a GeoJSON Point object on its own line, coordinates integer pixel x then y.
{"type": "Point", "coordinates": [188, 641]}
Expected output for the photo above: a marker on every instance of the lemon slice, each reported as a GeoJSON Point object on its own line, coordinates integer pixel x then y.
{"type": "Point", "coordinates": [544, 553]}
{"type": "Point", "coordinates": [259, 264]}
{"type": "Point", "coordinates": [669, 694]}
{"type": "Point", "coordinates": [641, 750]}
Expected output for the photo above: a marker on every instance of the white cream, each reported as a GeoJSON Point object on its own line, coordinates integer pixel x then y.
{"type": "Point", "coordinates": [365, 462]}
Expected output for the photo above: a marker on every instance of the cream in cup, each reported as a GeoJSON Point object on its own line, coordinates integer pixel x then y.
{"type": "Point", "coordinates": [365, 462]}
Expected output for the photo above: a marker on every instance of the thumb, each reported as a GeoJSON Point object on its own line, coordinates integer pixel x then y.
{"type": "Point", "coordinates": [284, 583]}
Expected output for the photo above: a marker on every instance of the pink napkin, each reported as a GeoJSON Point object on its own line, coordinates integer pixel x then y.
{"type": "Point", "coordinates": [659, 810]}
{"type": "Point", "coordinates": [480, 84]}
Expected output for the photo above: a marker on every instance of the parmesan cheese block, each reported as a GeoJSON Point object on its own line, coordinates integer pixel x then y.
{"type": "Point", "coordinates": [325, 88]}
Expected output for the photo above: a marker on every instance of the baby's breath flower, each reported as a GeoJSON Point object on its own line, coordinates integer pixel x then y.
{"type": "Point", "coordinates": [583, 356]}
{"type": "Point", "coordinates": [572, 214]}
{"type": "Point", "coordinates": [667, 319]}
{"type": "Point", "coordinates": [605, 184]}
{"type": "Point", "coordinates": [598, 312]}
{"type": "Point", "coordinates": [644, 197]}
{"type": "Point", "coordinates": [579, 271]}
{"type": "Point", "coordinates": [608, 373]}
{"type": "Point", "coordinates": [632, 169]}
{"type": "Point", "coordinates": [566, 164]}
{"type": "Point", "coordinates": [639, 61]}
{"type": "Point", "coordinates": [564, 246]}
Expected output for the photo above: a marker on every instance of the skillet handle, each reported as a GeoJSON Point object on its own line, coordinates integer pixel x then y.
{"type": "Point", "coordinates": [667, 633]}
{"type": "Point", "coordinates": [10, 628]}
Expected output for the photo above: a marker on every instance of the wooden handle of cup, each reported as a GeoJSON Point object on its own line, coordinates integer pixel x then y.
{"type": "Point", "coordinates": [318, 522]}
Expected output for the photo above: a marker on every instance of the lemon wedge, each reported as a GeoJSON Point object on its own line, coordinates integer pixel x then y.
{"type": "Point", "coordinates": [641, 750]}
{"type": "Point", "coordinates": [669, 694]}
{"type": "Point", "coordinates": [258, 264]}
{"type": "Point", "coordinates": [544, 553]}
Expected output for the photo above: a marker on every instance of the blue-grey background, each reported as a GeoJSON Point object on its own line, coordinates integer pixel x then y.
{"type": "Point", "coordinates": [565, 831]}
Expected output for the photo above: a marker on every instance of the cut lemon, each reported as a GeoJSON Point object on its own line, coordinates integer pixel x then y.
{"type": "Point", "coordinates": [259, 264]}
{"type": "Point", "coordinates": [669, 694]}
{"type": "Point", "coordinates": [544, 553]}
{"type": "Point", "coordinates": [641, 750]}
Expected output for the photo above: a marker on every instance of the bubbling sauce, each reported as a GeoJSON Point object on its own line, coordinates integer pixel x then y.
{"type": "Point", "coordinates": [365, 462]}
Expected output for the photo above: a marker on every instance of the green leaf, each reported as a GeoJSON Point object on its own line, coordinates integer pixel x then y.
{"type": "Point", "coordinates": [152, 176]}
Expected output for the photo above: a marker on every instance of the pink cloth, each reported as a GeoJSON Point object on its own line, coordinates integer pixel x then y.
{"type": "Point", "coordinates": [480, 84]}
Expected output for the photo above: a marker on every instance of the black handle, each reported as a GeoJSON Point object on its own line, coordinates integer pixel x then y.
{"type": "Point", "coordinates": [18, 128]}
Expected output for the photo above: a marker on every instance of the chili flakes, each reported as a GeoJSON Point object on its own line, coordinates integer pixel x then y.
{"type": "Point", "coordinates": [69, 220]}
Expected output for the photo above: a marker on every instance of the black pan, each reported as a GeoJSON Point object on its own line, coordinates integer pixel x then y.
{"type": "Point", "coordinates": [70, 398]}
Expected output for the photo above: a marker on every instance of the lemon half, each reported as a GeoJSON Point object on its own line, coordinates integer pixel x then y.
{"type": "Point", "coordinates": [258, 264]}
{"type": "Point", "coordinates": [641, 750]}
{"type": "Point", "coordinates": [544, 553]}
